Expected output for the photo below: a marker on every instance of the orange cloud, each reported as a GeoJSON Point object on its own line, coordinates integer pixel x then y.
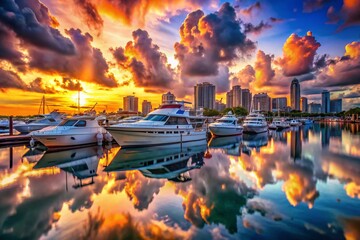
{"type": "Point", "coordinates": [298, 54]}
{"type": "Point", "coordinates": [263, 71]}
{"type": "Point", "coordinates": [352, 50]}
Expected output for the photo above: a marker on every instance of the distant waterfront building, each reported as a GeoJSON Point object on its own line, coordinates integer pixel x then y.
{"type": "Point", "coordinates": [131, 104]}
{"type": "Point", "coordinates": [304, 104]}
{"type": "Point", "coordinates": [314, 107]}
{"type": "Point", "coordinates": [219, 106]}
{"type": "Point", "coordinates": [325, 101]}
{"type": "Point", "coordinates": [146, 107]}
{"type": "Point", "coordinates": [167, 97]}
{"type": "Point", "coordinates": [229, 99]}
{"type": "Point", "coordinates": [246, 97]}
{"type": "Point", "coordinates": [204, 96]}
{"type": "Point", "coordinates": [279, 104]}
{"type": "Point", "coordinates": [262, 102]}
{"type": "Point", "coordinates": [295, 94]}
{"type": "Point", "coordinates": [336, 105]}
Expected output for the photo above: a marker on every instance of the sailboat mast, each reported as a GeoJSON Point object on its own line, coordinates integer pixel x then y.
{"type": "Point", "coordinates": [43, 105]}
{"type": "Point", "coordinates": [78, 101]}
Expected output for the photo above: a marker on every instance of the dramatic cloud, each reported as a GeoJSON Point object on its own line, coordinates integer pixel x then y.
{"type": "Point", "coordinates": [256, 29]}
{"type": "Point", "coordinates": [249, 11]}
{"type": "Point", "coordinates": [210, 41]}
{"type": "Point", "coordinates": [39, 86]}
{"type": "Point", "coordinates": [313, 5]}
{"type": "Point", "coordinates": [9, 79]}
{"type": "Point", "coordinates": [90, 14]}
{"type": "Point", "coordinates": [332, 15]}
{"type": "Point", "coordinates": [146, 63]}
{"type": "Point", "coordinates": [294, 47]}
{"type": "Point", "coordinates": [350, 12]}
{"type": "Point", "coordinates": [40, 10]}
{"type": "Point", "coordinates": [9, 48]}
{"type": "Point", "coordinates": [244, 77]}
{"type": "Point", "coordinates": [27, 27]}
{"type": "Point", "coordinates": [88, 64]}
{"type": "Point", "coordinates": [69, 84]}
{"type": "Point", "coordinates": [263, 71]}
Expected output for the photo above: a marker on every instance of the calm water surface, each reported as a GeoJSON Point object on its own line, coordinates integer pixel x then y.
{"type": "Point", "coordinates": [303, 183]}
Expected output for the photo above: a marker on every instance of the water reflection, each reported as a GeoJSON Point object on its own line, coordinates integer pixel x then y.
{"type": "Point", "coordinates": [306, 177]}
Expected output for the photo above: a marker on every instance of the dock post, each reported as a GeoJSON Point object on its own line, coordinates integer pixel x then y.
{"type": "Point", "coordinates": [11, 156]}
{"type": "Point", "coordinates": [11, 126]}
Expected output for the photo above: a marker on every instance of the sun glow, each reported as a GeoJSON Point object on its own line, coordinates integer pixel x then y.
{"type": "Point", "coordinates": [75, 97]}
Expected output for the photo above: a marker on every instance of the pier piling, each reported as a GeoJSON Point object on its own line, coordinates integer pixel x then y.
{"type": "Point", "coordinates": [11, 125]}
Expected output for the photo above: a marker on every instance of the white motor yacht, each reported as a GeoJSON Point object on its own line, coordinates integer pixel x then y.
{"type": "Point", "coordinates": [280, 124]}
{"type": "Point", "coordinates": [306, 121]}
{"type": "Point", "coordinates": [226, 126]}
{"type": "Point", "coordinates": [255, 123]}
{"type": "Point", "coordinates": [130, 119]}
{"type": "Point", "coordinates": [295, 122]}
{"type": "Point", "coordinates": [72, 131]}
{"type": "Point", "coordinates": [52, 119]}
{"type": "Point", "coordinates": [168, 124]}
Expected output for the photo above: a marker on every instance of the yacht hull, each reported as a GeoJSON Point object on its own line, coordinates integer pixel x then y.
{"type": "Point", "coordinates": [152, 137]}
{"type": "Point", "coordinates": [225, 131]}
{"type": "Point", "coordinates": [27, 128]}
{"type": "Point", "coordinates": [255, 129]}
{"type": "Point", "coordinates": [66, 140]}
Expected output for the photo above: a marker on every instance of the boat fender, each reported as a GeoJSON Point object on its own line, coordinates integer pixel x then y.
{"type": "Point", "coordinates": [32, 142]}
{"type": "Point", "coordinates": [108, 137]}
{"type": "Point", "coordinates": [100, 138]}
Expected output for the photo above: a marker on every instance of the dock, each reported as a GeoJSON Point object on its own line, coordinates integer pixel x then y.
{"type": "Point", "coordinates": [14, 140]}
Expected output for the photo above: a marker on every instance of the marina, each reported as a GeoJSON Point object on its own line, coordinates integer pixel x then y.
{"type": "Point", "coordinates": [300, 182]}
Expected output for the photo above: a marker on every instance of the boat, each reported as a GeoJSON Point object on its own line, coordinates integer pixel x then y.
{"type": "Point", "coordinates": [280, 124]}
{"type": "Point", "coordinates": [272, 126]}
{"type": "Point", "coordinates": [166, 161]}
{"type": "Point", "coordinates": [52, 119]}
{"type": "Point", "coordinates": [306, 121]}
{"type": "Point", "coordinates": [70, 132]}
{"type": "Point", "coordinates": [168, 124]}
{"type": "Point", "coordinates": [295, 122]}
{"type": "Point", "coordinates": [4, 125]}
{"type": "Point", "coordinates": [226, 126]}
{"type": "Point", "coordinates": [255, 123]}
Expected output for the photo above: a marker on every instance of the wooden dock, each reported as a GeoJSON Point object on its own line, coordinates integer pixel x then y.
{"type": "Point", "coordinates": [14, 140]}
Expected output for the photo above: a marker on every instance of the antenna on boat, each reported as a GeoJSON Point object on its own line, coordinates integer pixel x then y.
{"type": "Point", "coordinates": [78, 101]}
{"type": "Point", "coordinates": [42, 105]}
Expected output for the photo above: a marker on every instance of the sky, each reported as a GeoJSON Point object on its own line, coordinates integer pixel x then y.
{"type": "Point", "coordinates": [108, 49]}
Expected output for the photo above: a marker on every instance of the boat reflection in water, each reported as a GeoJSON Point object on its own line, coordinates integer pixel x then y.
{"type": "Point", "coordinates": [230, 145]}
{"type": "Point", "coordinates": [171, 161]}
{"type": "Point", "coordinates": [82, 163]}
{"type": "Point", "coordinates": [255, 141]}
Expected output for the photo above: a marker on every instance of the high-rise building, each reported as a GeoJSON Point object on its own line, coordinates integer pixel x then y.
{"type": "Point", "coordinates": [233, 97]}
{"type": "Point", "coordinates": [167, 97]}
{"type": "Point", "coordinates": [229, 99]}
{"type": "Point", "coordinates": [262, 102]}
{"type": "Point", "coordinates": [204, 96]}
{"type": "Point", "coordinates": [304, 104]}
{"type": "Point", "coordinates": [336, 105]}
{"type": "Point", "coordinates": [146, 107]}
{"type": "Point", "coordinates": [325, 101]}
{"type": "Point", "coordinates": [314, 107]}
{"type": "Point", "coordinates": [246, 97]}
{"type": "Point", "coordinates": [219, 106]}
{"type": "Point", "coordinates": [131, 104]}
{"type": "Point", "coordinates": [295, 94]}
{"type": "Point", "coordinates": [279, 104]}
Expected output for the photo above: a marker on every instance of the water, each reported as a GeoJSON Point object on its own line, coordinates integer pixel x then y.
{"type": "Point", "coordinates": [303, 183]}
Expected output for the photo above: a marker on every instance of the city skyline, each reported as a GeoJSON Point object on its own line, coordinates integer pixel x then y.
{"type": "Point", "coordinates": [108, 51]}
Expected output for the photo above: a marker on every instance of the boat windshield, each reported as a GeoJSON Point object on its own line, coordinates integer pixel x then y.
{"type": "Point", "coordinates": [224, 121]}
{"type": "Point", "coordinates": [68, 123]}
{"type": "Point", "coordinates": [156, 117]}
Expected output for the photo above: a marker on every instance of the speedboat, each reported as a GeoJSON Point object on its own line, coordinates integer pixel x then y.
{"type": "Point", "coordinates": [255, 123]}
{"type": "Point", "coordinates": [52, 119]}
{"type": "Point", "coordinates": [226, 126]}
{"type": "Point", "coordinates": [4, 125]}
{"type": "Point", "coordinates": [168, 124]}
{"type": "Point", "coordinates": [72, 131]}
{"type": "Point", "coordinates": [295, 122]}
{"type": "Point", "coordinates": [281, 124]}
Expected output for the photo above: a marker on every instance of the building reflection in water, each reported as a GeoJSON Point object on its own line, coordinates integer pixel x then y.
{"type": "Point", "coordinates": [325, 135]}
{"type": "Point", "coordinates": [296, 145]}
